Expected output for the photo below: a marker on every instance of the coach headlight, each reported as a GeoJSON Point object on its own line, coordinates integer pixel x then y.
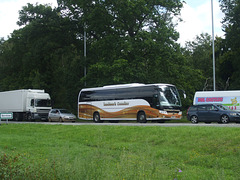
{"type": "Point", "coordinates": [163, 112]}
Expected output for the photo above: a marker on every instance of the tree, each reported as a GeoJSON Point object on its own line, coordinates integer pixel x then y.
{"type": "Point", "coordinates": [127, 41]}
{"type": "Point", "coordinates": [199, 56]}
{"type": "Point", "coordinates": [231, 47]}
{"type": "Point", "coordinates": [140, 33]}
{"type": "Point", "coordinates": [43, 54]}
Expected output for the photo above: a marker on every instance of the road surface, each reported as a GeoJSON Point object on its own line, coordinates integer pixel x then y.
{"type": "Point", "coordinates": [126, 124]}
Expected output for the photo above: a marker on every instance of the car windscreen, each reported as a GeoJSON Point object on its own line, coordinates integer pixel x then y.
{"type": "Point", "coordinates": [64, 111]}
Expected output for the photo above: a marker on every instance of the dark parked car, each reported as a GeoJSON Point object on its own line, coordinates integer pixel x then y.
{"type": "Point", "coordinates": [212, 113]}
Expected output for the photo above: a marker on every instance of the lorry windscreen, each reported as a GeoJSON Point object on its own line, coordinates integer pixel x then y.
{"type": "Point", "coordinates": [43, 103]}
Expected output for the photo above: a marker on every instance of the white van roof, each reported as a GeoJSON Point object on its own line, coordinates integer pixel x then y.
{"type": "Point", "coordinates": [217, 93]}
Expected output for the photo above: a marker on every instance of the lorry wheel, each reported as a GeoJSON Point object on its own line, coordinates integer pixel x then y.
{"type": "Point", "coordinates": [29, 117]}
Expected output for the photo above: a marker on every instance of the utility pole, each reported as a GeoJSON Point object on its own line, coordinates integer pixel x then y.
{"type": "Point", "coordinates": [85, 54]}
{"type": "Point", "coordinates": [213, 50]}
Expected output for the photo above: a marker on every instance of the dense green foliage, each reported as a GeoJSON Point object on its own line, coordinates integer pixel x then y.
{"type": "Point", "coordinates": [231, 44]}
{"type": "Point", "coordinates": [31, 151]}
{"type": "Point", "coordinates": [126, 41]}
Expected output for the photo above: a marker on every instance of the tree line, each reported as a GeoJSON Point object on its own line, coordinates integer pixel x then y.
{"type": "Point", "coordinates": [126, 41]}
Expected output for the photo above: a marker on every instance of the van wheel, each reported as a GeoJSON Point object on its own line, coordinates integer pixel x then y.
{"type": "Point", "coordinates": [194, 119]}
{"type": "Point", "coordinates": [224, 119]}
{"type": "Point", "coordinates": [96, 118]}
{"type": "Point", "coordinates": [141, 117]}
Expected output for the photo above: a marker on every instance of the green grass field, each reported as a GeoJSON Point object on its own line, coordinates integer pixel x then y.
{"type": "Point", "coordinates": [36, 151]}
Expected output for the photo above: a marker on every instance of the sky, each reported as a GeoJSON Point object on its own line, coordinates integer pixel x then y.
{"type": "Point", "coordinates": [197, 19]}
{"type": "Point", "coordinates": [196, 16]}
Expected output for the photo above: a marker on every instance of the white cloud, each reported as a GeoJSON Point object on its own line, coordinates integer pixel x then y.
{"type": "Point", "coordinates": [197, 20]}
{"type": "Point", "coordinates": [9, 13]}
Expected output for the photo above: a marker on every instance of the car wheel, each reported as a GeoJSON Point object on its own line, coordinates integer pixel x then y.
{"type": "Point", "coordinates": [60, 120]}
{"type": "Point", "coordinates": [49, 120]}
{"type": "Point", "coordinates": [194, 119]}
{"type": "Point", "coordinates": [224, 119]}
{"type": "Point", "coordinates": [96, 118]}
{"type": "Point", "coordinates": [141, 117]}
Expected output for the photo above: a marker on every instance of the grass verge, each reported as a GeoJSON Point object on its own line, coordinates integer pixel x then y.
{"type": "Point", "coordinates": [35, 151]}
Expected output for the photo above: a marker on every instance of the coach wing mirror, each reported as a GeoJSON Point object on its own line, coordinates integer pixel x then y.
{"type": "Point", "coordinates": [184, 93]}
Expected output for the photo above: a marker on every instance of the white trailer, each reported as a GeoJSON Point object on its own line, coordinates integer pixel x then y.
{"type": "Point", "coordinates": [230, 99]}
{"type": "Point", "coordinates": [28, 104]}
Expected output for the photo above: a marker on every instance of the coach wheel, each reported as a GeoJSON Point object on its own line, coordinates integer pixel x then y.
{"type": "Point", "coordinates": [96, 117]}
{"type": "Point", "coordinates": [224, 119]}
{"type": "Point", "coordinates": [141, 117]}
{"type": "Point", "coordinates": [194, 119]}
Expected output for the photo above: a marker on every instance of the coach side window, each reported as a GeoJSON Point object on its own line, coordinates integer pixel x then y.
{"type": "Point", "coordinates": [85, 96]}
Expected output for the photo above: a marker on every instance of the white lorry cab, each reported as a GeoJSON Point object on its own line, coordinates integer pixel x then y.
{"type": "Point", "coordinates": [231, 99]}
{"type": "Point", "coordinates": [26, 104]}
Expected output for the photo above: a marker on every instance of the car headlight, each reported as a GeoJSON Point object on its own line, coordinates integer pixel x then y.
{"type": "Point", "coordinates": [233, 114]}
